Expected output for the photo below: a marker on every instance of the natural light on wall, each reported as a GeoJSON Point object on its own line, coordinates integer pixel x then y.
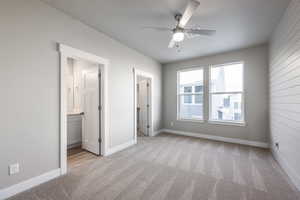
{"type": "Point", "coordinates": [190, 94]}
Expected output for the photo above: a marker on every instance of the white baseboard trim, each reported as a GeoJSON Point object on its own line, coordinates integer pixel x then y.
{"type": "Point", "coordinates": [155, 133]}
{"type": "Point", "coordinates": [218, 138]}
{"type": "Point", "coordinates": [294, 177]}
{"type": "Point", "coordinates": [119, 147]}
{"type": "Point", "coordinates": [30, 183]}
{"type": "Point", "coordinates": [77, 144]}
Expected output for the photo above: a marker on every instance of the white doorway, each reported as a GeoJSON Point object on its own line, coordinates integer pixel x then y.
{"type": "Point", "coordinates": [83, 95]}
{"type": "Point", "coordinates": [143, 101]}
{"type": "Point", "coordinates": [91, 135]}
{"type": "Point", "coordinates": [143, 105]}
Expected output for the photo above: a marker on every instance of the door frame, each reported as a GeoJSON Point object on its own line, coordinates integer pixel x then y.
{"type": "Point", "coordinates": [136, 73]}
{"type": "Point", "coordinates": [70, 52]}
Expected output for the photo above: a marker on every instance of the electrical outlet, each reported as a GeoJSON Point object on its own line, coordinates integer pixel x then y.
{"type": "Point", "coordinates": [277, 145]}
{"type": "Point", "coordinates": [171, 123]}
{"type": "Point", "coordinates": [14, 169]}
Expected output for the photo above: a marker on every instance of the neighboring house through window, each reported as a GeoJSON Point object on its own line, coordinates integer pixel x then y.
{"type": "Point", "coordinates": [226, 93]}
{"type": "Point", "coordinates": [190, 94]}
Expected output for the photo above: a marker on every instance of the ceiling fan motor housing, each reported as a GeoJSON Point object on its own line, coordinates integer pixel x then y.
{"type": "Point", "coordinates": [178, 17]}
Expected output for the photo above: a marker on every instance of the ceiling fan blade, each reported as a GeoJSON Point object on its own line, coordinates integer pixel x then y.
{"type": "Point", "coordinates": [200, 32]}
{"type": "Point", "coordinates": [171, 44]}
{"type": "Point", "coordinates": [158, 28]}
{"type": "Point", "coordinates": [188, 13]}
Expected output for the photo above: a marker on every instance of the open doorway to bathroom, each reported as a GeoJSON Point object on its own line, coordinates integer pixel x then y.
{"type": "Point", "coordinates": [83, 111]}
{"type": "Point", "coordinates": [83, 107]}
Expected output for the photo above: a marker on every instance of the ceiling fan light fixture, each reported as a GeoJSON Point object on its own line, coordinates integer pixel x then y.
{"type": "Point", "coordinates": [178, 36]}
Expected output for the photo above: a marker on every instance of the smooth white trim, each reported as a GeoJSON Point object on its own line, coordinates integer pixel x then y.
{"type": "Point", "coordinates": [70, 52]}
{"type": "Point", "coordinates": [79, 54]}
{"type": "Point", "coordinates": [292, 174]}
{"type": "Point", "coordinates": [218, 138]}
{"type": "Point", "coordinates": [191, 120]}
{"type": "Point", "coordinates": [27, 184]}
{"type": "Point", "coordinates": [227, 123]}
{"type": "Point", "coordinates": [119, 147]}
{"type": "Point", "coordinates": [155, 133]}
{"type": "Point", "coordinates": [77, 144]}
{"type": "Point", "coordinates": [137, 72]}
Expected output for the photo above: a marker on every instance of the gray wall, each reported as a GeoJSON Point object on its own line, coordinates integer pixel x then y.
{"type": "Point", "coordinates": [256, 95]}
{"type": "Point", "coordinates": [285, 91]}
{"type": "Point", "coordinates": [29, 82]}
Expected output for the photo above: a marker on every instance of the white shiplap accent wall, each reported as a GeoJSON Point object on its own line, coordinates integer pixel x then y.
{"type": "Point", "coordinates": [284, 77]}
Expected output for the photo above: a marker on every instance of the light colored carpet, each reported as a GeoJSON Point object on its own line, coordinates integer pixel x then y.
{"type": "Point", "coordinates": [173, 168]}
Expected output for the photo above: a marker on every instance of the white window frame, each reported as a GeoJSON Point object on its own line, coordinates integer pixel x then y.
{"type": "Point", "coordinates": [227, 122]}
{"type": "Point", "coordinates": [192, 93]}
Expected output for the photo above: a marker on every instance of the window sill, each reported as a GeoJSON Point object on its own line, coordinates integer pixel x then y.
{"type": "Point", "coordinates": [227, 123]}
{"type": "Point", "coordinates": [191, 120]}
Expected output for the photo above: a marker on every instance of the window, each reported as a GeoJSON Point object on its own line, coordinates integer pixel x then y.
{"type": "Point", "coordinates": [227, 102]}
{"type": "Point", "coordinates": [236, 105]}
{"type": "Point", "coordinates": [198, 99]}
{"type": "Point", "coordinates": [190, 94]}
{"type": "Point", "coordinates": [187, 99]}
{"type": "Point", "coordinates": [199, 88]}
{"type": "Point", "coordinates": [226, 93]}
{"type": "Point", "coordinates": [187, 89]}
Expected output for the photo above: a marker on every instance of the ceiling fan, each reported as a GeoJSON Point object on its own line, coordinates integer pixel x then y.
{"type": "Point", "coordinates": [179, 32]}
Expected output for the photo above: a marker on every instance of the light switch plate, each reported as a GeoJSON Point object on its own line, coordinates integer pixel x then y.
{"type": "Point", "coordinates": [14, 169]}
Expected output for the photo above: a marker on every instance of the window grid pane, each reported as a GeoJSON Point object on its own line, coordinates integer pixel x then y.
{"type": "Point", "coordinates": [190, 97]}
{"type": "Point", "coordinates": [198, 88]}
{"type": "Point", "coordinates": [223, 107]}
{"type": "Point", "coordinates": [187, 99]}
{"type": "Point", "coordinates": [199, 99]}
{"type": "Point", "coordinates": [187, 89]}
{"type": "Point", "coordinates": [226, 78]}
{"type": "Point", "coordinates": [226, 93]}
{"type": "Point", "coordinates": [190, 110]}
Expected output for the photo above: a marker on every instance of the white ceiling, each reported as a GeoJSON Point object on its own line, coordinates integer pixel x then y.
{"type": "Point", "coordinates": [239, 23]}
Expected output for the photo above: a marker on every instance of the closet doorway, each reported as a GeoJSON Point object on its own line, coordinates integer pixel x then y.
{"type": "Point", "coordinates": [143, 105]}
{"type": "Point", "coordinates": [143, 124]}
{"type": "Point", "coordinates": [83, 106]}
